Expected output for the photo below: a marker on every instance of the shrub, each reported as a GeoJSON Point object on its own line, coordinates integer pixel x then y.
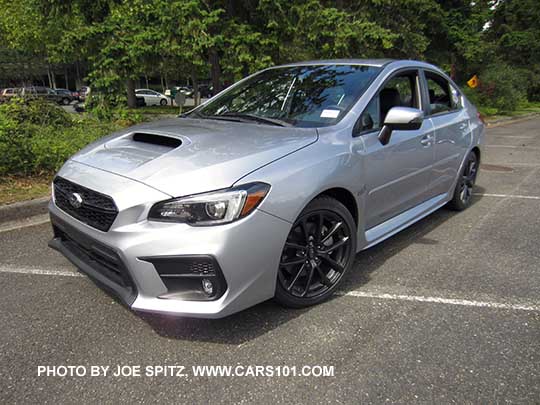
{"type": "Point", "coordinates": [37, 112]}
{"type": "Point", "coordinates": [37, 137]}
{"type": "Point", "coordinates": [110, 108]}
{"type": "Point", "coordinates": [501, 87]}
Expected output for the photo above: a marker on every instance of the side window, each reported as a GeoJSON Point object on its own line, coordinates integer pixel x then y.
{"type": "Point", "coordinates": [400, 91]}
{"type": "Point", "coordinates": [442, 96]}
{"type": "Point", "coordinates": [370, 118]}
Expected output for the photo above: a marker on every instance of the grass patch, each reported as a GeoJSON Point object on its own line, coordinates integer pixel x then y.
{"type": "Point", "coordinates": [523, 109]}
{"type": "Point", "coordinates": [13, 189]}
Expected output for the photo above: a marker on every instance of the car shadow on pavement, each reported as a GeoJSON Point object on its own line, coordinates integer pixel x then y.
{"type": "Point", "coordinates": [256, 321]}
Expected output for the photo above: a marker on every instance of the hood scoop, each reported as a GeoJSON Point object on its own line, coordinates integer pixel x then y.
{"type": "Point", "coordinates": [126, 153]}
{"type": "Point", "coordinates": [155, 139]}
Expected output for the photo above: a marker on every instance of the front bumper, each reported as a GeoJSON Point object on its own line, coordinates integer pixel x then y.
{"type": "Point", "coordinates": [247, 253]}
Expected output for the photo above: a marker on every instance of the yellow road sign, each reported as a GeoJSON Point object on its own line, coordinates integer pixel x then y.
{"type": "Point", "coordinates": [473, 82]}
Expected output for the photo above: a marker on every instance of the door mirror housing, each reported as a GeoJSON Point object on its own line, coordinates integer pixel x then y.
{"type": "Point", "coordinates": [402, 119]}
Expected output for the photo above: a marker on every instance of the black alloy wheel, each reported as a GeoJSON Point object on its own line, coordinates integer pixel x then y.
{"type": "Point", "coordinates": [464, 187]}
{"type": "Point", "coordinates": [319, 250]}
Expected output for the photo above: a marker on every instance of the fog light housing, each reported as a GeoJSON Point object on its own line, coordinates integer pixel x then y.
{"type": "Point", "coordinates": [189, 277]}
{"type": "Point", "coordinates": [207, 287]}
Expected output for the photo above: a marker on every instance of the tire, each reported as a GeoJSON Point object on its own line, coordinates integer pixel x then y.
{"type": "Point", "coordinates": [163, 102]}
{"type": "Point", "coordinates": [310, 270]}
{"type": "Point", "coordinates": [464, 187]}
{"type": "Point", "coordinates": [66, 101]}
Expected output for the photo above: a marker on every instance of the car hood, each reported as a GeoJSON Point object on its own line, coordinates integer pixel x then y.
{"type": "Point", "coordinates": [186, 156]}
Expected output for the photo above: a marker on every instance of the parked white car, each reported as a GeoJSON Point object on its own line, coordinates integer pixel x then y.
{"type": "Point", "coordinates": [152, 97]}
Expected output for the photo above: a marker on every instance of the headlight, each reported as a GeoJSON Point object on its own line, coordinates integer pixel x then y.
{"type": "Point", "coordinates": [215, 208]}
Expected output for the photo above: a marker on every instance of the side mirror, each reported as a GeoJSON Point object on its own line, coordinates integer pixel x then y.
{"type": "Point", "coordinates": [400, 118]}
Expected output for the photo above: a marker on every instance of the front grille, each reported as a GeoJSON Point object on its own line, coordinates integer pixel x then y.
{"type": "Point", "coordinates": [99, 257]}
{"type": "Point", "coordinates": [97, 210]}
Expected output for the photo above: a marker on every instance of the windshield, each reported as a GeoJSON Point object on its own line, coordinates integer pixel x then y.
{"type": "Point", "coordinates": [303, 96]}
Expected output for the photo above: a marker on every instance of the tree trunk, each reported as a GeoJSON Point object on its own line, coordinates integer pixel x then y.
{"type": "Point", "coordinates": [53, 78]}
{"type": "Point", "coordinates": [49, 76]}
{"type": "Point", "coordinates": [215, 70]}
{"type": "Point", "coordinates": [166, 86]}
{"type": "Point", "coordinates": [66, 76]}
{"type": "Point", "coordinates": [130, 89]}
{"type": "Point", "coordinates": [453, 66]}
{"type": "Point", "coordinates": [146, 79]}
{"type": "Point", "coordinates": [78, 83]}
{"type": "Point", "coordinates": [195, 82]}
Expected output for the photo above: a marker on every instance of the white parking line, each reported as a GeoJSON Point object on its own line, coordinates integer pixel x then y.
{"type": "Point", "coordinates": [525, 197]}
{"type": "Point", "coordinates": [510, 136]}
{"type": "Point", "coordinates": [40, 272]}
{"type": "Point", "coordinates": [535, 307]}
{"type": "Point", "coordinates": [441, 300]}
{"type": "Point", "coordinates": [513, 147]}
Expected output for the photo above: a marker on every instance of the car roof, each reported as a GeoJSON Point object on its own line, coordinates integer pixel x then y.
{"type": "Point", "coordinates": [365, 62]}
{"type": "Point", "coordinates": [368, 62]}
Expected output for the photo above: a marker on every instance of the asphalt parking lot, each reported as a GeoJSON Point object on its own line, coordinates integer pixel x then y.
{"type": "Point", "coordinates": [447, 311]}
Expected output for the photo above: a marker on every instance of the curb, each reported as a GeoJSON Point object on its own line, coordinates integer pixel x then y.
{"type": "Point", "coordinates": [23, 209]}
{"type": "Point", "coordinates": [511, 120]}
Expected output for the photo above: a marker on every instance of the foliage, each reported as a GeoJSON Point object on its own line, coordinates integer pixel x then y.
{"type": "Point", "coordinates": [501, 87]}
{"type": "Point", "coordinates": [515, 34]}
{"type": "Point", "coordinates": [112, 108]}
{"type": "Point", "coordinates": [119, 41]}
{"type": "Point", "coordinates": [37, 137]}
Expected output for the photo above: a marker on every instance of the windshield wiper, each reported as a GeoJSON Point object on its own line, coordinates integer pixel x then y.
{"type": "Point", "coordinates": [253, 117]}
{"type": "Point", "coordinates": [241, 117]}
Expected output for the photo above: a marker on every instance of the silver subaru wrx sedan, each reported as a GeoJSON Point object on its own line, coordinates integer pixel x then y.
{"type": "Point", "coordinates": [270, 188]}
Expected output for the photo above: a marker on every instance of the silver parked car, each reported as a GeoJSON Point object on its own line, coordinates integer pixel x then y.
{"type": "Point", "coordinates": [152, 97]}
{"type": "Point", "coordinates": [268, 189]}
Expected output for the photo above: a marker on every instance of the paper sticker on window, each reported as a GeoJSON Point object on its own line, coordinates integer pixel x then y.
{"type": "Point", "coordinates": [330, 113]}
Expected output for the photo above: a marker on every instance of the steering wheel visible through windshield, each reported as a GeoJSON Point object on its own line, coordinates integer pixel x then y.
{"type": "Point", "coordinates": [302, 96]}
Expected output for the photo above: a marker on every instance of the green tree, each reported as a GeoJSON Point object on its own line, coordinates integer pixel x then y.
{"type": "Point", "coordinates": [515, 34]}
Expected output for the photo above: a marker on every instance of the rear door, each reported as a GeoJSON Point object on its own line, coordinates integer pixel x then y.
{"type": "Point", "coordinates": [451, 125]}
{"type": "Point", "coordinates": [146, 95]}
{"type": "Point", "coordinates": [155, 97]}
{"type": "Point", "coordinates": [397, 174]}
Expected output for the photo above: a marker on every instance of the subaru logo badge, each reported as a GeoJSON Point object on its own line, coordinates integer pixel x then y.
{"type": "Point", "coordinates": [75, 200]}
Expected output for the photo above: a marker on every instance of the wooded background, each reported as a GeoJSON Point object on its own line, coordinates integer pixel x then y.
{"type": "Point", "coordinates": [116, 45]}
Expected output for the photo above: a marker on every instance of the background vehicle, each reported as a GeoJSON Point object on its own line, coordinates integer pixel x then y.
{"type": "Point", "coordinates": [67, 96]}
{"type": "Point", "coordinates": [7, 93]}
{"type": "Point", "coordinates": [152, 97]}
{"type": "Point", "coordinates": [206, 90]}
{"type": "Point", "coordinates": [84, 92]}
{"type": "Point", "coordinates": [186, 90]}
{"type": "Point", "coordinates": [45, 93]}
{"type": "Point", "coordinates": [270, 189]}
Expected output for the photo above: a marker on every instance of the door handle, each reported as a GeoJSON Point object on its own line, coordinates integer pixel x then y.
{"type": "Point", "coordinates": [426, 140]}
